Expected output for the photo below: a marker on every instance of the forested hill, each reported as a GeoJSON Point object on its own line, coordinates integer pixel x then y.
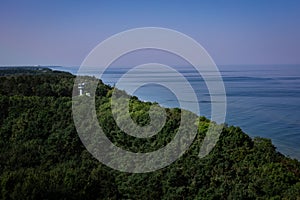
{"type": "Point", "coordinates": [38, 70]}
{"type": "Point", "coordinates": [42, 157]}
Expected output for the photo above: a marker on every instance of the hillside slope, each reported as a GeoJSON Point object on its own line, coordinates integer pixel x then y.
{"type": "Point", "coordinates": [42, 157]}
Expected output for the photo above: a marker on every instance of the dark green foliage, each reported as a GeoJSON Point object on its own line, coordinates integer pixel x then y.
{"type": "Point", "coordinates": [42, 157]}
{"type": "Point", "coordinates": [38, 70]}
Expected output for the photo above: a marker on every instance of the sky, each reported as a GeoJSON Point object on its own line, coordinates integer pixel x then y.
{"type": "Point", "coordinates": [61, 32]}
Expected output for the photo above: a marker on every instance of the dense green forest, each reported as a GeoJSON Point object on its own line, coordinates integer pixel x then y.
{"type": "Point", "coordinates": [42, 157]}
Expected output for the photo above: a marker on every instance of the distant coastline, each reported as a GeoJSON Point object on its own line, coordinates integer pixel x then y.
{"type": "Point", "coordinates": [262, 100]}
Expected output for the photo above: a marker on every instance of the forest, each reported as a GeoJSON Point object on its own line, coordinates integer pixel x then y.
{"type": "Point", "coordinates": [42, 156]}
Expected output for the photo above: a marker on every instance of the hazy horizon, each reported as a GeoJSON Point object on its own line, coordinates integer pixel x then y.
{"type": "Point", "coordinates": [233, 32]}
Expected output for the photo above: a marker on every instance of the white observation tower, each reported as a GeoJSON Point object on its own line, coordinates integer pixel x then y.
{"type": "Point", "coordinates": [80, 88]}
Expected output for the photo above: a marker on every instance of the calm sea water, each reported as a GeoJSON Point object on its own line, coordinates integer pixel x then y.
{"type": "Point", "coordinates": [262, 100]}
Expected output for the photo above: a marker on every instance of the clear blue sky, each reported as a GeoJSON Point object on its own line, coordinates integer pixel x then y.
{"type": "Point", "coordinates": [60, 32]}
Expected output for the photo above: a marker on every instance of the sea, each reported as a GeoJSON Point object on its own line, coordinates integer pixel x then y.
{"type": "Point", "coordinates": [264, 100]}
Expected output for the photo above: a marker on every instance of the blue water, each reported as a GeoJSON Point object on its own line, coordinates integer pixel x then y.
{"type": "Point", "coordinates": [264, 100]}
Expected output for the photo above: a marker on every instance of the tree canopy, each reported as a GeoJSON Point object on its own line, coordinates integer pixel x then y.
{"type": "Point", "coordinates": [42, 156]}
